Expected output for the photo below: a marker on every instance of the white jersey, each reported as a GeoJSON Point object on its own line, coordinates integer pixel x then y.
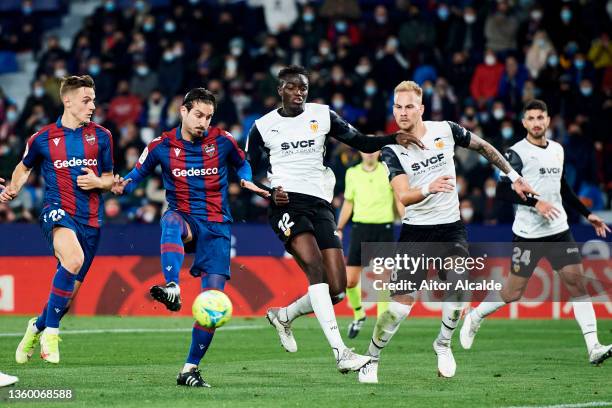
{"type": "Point", "coordinates": [424, 166]}
{"type": "Point", "coordinates": [542, 168]}
{"type": "Point", "coordinates": [296, 146]}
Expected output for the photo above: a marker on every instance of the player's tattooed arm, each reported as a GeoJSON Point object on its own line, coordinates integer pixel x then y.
{"type": "Point", "coordinates": [18, 179]}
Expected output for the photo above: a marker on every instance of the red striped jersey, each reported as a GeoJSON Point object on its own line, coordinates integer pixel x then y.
{"type": "Point", "coordinates": [61, 154]}
{"type": "Point", "coordinates": [195, 174]}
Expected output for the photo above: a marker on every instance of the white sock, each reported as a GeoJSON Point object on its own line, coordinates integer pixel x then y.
{"type": "Point", "coordinates": [33, 328]}
{"type": "Point", "coordinates": [386, 326]}
{"type": "Point", "coordinates": [300, 307]}
{"type": "Point", "coordinates": [585, 316]}
{"type": "Point", "coordinates": [451, 312]}
{"type": "Point", "coordinates": [187, 368]}
{"type": "Point", "coordinates": [52, 330]}
{"type": "Point", "coordinates": [324, 310]}
{"type": "Point", "coordinates": [492, 303]}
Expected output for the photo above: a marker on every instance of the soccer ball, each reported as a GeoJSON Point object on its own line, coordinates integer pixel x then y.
{"type": "Point", "coordinates": [212, 309]}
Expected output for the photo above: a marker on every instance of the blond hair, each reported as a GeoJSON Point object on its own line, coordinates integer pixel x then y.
{"type": "Point", "coordinates": [73, 82]}
{"type": "Point", "coordinates": [408, 86]}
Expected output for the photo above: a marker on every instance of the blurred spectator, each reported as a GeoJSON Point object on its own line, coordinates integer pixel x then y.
{"type": "Point", "coordinates": [279, 15]}
{"type": "Point", "coordinates": [125, 107]}
{"type": "Point", "coordinates": [501, 28]}
{"type": "Point", "coordinates": [512, 83]}
{"type": "Point", "coordinates": [486, 79]}
{"type": "Point", "coordinates": [538, 53]}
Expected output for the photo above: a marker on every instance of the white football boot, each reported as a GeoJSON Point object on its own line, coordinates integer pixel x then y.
{"type": "Point", "coordinates": [350, 361]}
{"type": "Point", "coordinates": [468, 330]}
{"type": "Point", "coordinates": [600, 353]}
{"type": "Point", "coordinates": [446, 361]}
{"type": "Point", "coordinates": [368, 374]}
{"type": "Point", "coordinates": [283, 329]}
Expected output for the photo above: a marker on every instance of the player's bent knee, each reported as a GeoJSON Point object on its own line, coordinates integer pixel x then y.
{"type": "Point", "coordinates": [73, 263]}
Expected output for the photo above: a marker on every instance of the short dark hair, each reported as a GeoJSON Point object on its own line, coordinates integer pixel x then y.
{"type": "Point", "coordinates": [292, 70]}
{"type": "Point", "coordinates": [535, 104]}
{"type": "Point", "coordinates": [199, 95]}
{"type": "Point", "coordinates": [70, 83]}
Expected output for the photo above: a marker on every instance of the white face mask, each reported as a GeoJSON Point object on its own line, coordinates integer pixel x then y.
{"type": "Point", "coordinates": [467, 213]}
{"type": "Point", "coordinates": [469, 18]}
{"type": "Point", "coordinates": [490, 60]}
{"type": "Point", "coordinates": [498, 114]}
{"type": "Point", "coordinates": [490, 192]}
{"type": "Point", "coordinates": [148, 217]}
{"type": "Point", "coordinates": [60, 73]}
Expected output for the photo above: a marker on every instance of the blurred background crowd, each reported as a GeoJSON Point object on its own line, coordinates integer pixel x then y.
{"type": "Point", "coordinates": [478, 61]}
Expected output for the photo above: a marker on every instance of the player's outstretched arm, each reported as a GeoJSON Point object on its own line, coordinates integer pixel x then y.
{"type": "Point", "coordinates": [570, 198]}
{"type": "Point", "coordinates": [340, 129]}
{"type": "Point", "coordinates": [18, 179]}
{"type": "Point", "coordinates": [119, 184]}
{"type": "Point", "coordinates": [520, 185]}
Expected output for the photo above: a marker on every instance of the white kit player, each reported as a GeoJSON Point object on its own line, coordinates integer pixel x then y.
{"type": "Point", "coordinates": [541, 231]}
{"type": "Point", "coordinates": [291, 141]}
{"type": "Point", "coordinates": [423, 181]}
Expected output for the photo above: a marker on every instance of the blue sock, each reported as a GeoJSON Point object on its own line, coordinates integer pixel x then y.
{"type": "Point", "coordinates": [61, 292]}
{"type": "Point", "coordinates": [172, 249]}
{"type": "Point", "coordinates": [42, 319]}
{"type": "Point", "coordinates": [201, 337]}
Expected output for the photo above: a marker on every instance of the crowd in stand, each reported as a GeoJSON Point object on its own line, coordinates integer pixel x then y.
{"type": "Point", "coordinates": [477, 62]}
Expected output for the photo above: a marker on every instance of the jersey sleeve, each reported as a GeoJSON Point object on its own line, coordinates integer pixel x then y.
{"type": "Point", "coordinates": [461, 135]}
{"type": "Point", "coordinates": [148, 159]}
{"type": "Point", "coordinates": [257, 154]}
{"type": "Point", "coordinates": [349, 186]}
{"type": "Point", "coordinates": [504, 189]}
{"type": "Point", "coordinates": [343, 131]}
{"type": "Point", "coordinates": [391, 162]}
{"type": "Point", "coordinates": [237, 159]}
{"type": "Point", "coordinates": [106, 158]}
{"type": "Point", "coordinates": [32, 155]}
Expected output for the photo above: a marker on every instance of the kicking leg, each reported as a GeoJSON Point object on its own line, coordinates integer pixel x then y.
{"type": "Point", "coordinates": [201, 337]}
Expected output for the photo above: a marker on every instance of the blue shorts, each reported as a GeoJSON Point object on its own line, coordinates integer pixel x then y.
{"type": "Point", "coordinates": [211, 245]}
{"type": "Point", "coordinates": [89, 237]}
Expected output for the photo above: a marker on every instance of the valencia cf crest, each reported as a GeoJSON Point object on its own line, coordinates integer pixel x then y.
{"type": "Point", "coordinates": [516, 268]}
{"type": "Point", "coordinates": [90, 138]}
{"type": "Point", "coordinates": [439, 143]}
{"type": "Point", "coordinates": [314, 126]}
{"type": "Point", "coordinates": [210, 149]}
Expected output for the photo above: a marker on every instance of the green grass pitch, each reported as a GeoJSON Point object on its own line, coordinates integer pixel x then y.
{"type": "Point", "coordinates": [512, 363]}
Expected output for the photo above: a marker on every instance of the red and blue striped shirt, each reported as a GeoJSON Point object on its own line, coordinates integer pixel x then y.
{"type": "Point", "coordinates": [195, 173]}
{"type": "Point", "coordinates": [62, 153]}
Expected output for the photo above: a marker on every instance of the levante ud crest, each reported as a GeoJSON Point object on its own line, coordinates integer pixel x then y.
{"type": "Point", "coordinates": [209, 149]}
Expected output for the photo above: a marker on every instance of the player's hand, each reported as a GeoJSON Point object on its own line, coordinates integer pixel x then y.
{"type": "Point", "coordinates": [1, 181]}
{"type": "Point", "coordinates": [119, 184]}
{"type": "Point", "coordinates": [339, 234]}
{"type": "Point", "coordinates": [280, 196]}
{"type": "Point", "coordinates": [522, 187]}
{"type": "Point", "coordinates": [7, 194]}
{"type": "Point", "coordinates": [600, 226]}
{"type": "Point", "coordinates": [406, 139]}
{"type": "Point", "coordinates": [89, 180]}
{"type": "Point", "coordinates": [443, 184]}
{"type": "Point", "coordinates": [547, 210]}
{"type": "Point", "coordinates": [249, 185]}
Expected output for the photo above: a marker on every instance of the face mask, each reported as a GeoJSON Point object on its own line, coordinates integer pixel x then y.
{"type": "Point", "coordinates": [110, 6]}
{"type": "Point", "coordinates": [566, 15]}
{"type": "Point", "coordinates": [94, 69]}
{"type": "Point", "coordinates": [484, 117]}
{"type": "Point", "coordinates": [39, 91]}
{"type": "Point", "coordinates": [308, 18]}
{"type": "Point", "coordinates": [60, 73]}
{"type": "Point", "coordinates": [490, 192]}
{"type": "Point", "coordinates": [11, 116]}
{"type": "Point", "coordinates": [131, 160]}
{"type": "Point", "coordinates": [139, 5]}
{"type": "Point", "coordinates": [337, 103]}
{"type": "Point", "coordinates": [142, 70]}
{"type": "Point", "coordinates": [586, 91]}
{"type": "Point", "coordinates": [27, 10]}
{"type": "Point", "coordinates": [459, 187]}
{"type": "Point", "coordinates": [467, 213]}
{"type": "Point", "coordinates": [443, 13]}
{"type": "Point", "coordinates": [274, 70]}
{"type": "Point", "coordinates": [381, 19]}
{"type": "Point", "coordinates": [498, 114]}
{"type": "Point", "coordinates": [147, 27]}
{"type": "Point", "coordinates": [194, 1]}
{"type": "Point", "coordinates": [148, 217]}
{"type": "Point", "coordinates": [483, 160]}
{"type": "Point", "coordinates": [392, 43]}
{"type": "Point", "coordinates": [536, 15]}
{"type": "Point", "coordinates": [341, 26]}
{"type": "Point", "coordinates": [169, 27]}
{"type": "Point", "coordinates": [428, 91]}
{"type": "Point", "coordinates": [579, 63]}
{"type": "Point", "coordinates": [236, 51]}
{"type": "Point", "coordinates": [540, 42]}
{"type": "Point", "coordinates": [370, 90]}
{"type": "Point", "coordinates": [507, 133]}
{"type": "Point", "coordinates": [553, 60]}
{"type": "Point", "coordinates": [231, 64]}
{"type": "Point", "coordinates": [324, 50]}
{"type": "Point", "coordinates": [362, 69]}
{"type": "Point", "coordinates": [168, 56]}
{"type": "Point", "coordinates": [469, 18]}
{"type": "Point", "coordinates": [490, 60]}
{"type": "Point", "coordinates": [237, 133]}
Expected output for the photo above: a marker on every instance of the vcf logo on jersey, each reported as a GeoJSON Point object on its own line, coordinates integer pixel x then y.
{"type": "Point", "coordinates": [210, 149]}
{"type": "Point", "coordinates": [429, 162]}
{"type": "Point", "coordinates": [550, 171]}
{"type": "Point", "coordinates": [314, 126]}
